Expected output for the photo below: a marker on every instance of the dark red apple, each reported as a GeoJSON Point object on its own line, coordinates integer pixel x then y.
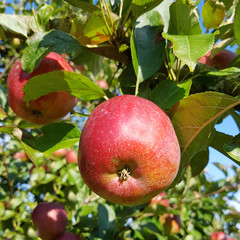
{"type": "Point", "coordinates": [60, 152]}
{"type": "Point", "coordinates": [219, 236]}
{"type": "Point", "coordinates": [48, 108]}
{"type": "Point", "coordinates": [71, 157]}
{"type": "Point", "coordinates": [68, 236]}
{"type": "Point", "coordinates": [220, 60]}
{"type": "Point", "coordinates": [50, 219]}
{"type": "Point", "coordinates": [171, 223]}
{"type": "Point", "coordinates": [128, 151]}
{"type": "Point", "coordinates": [159, 199]}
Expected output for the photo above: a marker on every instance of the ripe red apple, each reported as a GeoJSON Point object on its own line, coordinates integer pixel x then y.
{"type": "Point", "coordinates": [68, 236]}
{"type": "Point", "coordinates": [21, 155]}
{"type": "Point", "coordinates": [50, 219]}
{"type": "Point", "coordinates": [48, 108]}
{"type": "Point", "coordinates": [159, 199]}
{"type": "Point", "coordinates": [128, 151]}
{"type": "Point", "coordinates": [102, 84]}
{"type": "Point", "coordinates": [71, 157]}
{"type": "Point", "coordinates": [220, 60]}
{"type": "Point", "coordinates": [171, 223]}
{"type": "Point", "coordinates": [60, 152]}
{"type": "Point", "coordinates": [219, 236]}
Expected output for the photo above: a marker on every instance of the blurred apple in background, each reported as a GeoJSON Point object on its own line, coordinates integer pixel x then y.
{"type": "Point", "coordinates": [71, 156]}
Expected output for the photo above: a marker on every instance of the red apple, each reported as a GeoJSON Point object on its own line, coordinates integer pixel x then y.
{"type": "Point", "coordinates": [171, 223]}
{"type": "Point", "coordinates": [71, 157]}
{"type": "Point", "coordinates": [128, 151]}
{"type": "Point", "coordinates": [220, 60]}
{"type": "Point", "coordinates": [60, 152]}
{"type": "Point", "coordinates": [68, 236]}
{"type": "Point", "coordinates": [21, 155]}
{"type": "Point", "coordinates": [50, 219]}
{"type": "Point", "coordinates": [49, 108]}
{"type": "Point", "coordinates": [102, 84]}
{"type": "Point", "coordinates": [159, 199]}
{"type": "Point", "coordinates": [219, 236]}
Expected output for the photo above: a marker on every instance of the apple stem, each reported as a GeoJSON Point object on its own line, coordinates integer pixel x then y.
{"type": "Point", "coordinates": [124, 174]}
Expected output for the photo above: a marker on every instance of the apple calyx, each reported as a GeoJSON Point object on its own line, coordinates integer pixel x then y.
{"type": "Point", "coordinates": [124, 174]}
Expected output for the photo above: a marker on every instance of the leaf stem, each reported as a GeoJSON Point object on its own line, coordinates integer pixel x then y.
{"type": "Point", "coordinates": [34, 15]}
{"type": "Point", "coordinates": [110, 17]}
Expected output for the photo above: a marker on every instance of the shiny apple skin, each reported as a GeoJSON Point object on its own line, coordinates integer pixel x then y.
{"type": "Point", "coordinates": [48, 108]}
{"type": "Point", "coordinates": [128, 132]}
{"type": "Point", "coordinates": [68, 236]}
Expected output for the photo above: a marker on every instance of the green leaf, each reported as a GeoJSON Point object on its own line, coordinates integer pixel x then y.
{"type": "Point", "coordinates": [233, 148]}
{"type": "Point", "coordinates": [84, 5]}
{"type": "Point", "coordinates": [55, 136]}
{"type": "Point", "coordinates": [194, 119]}
{"type": "Point", "coordinates": [7, 214]}
{"type": "Point", "coordinates": [2, 114]}
{"type": "Point", "coordinates": [236, 23]}
{"type": "Point", "coordinates": [71, 82]}
{"type": "Point", "coordinates": [106, 222]}
{"type": "Point", "coordinates": [44, 12]}
{"type": "Point", "coordinates": [224, 72]}
{"type": "Point", "coordinates": [199, 162]}
{"type": "Point", "coordinates": [148, 45]}
{"type": "Point", "coordinates": [183, 20]}
{"type": "Point", "coordinates": [167, 93]}
{"type": "Point", "coordinates": [189, 48]}
{"type": "Point", "coordinates": [14, 24]}
{"type": "Point", "coordinates": [213, 13]}
{"type": "Point", "coordinates": [41, 43]}
{"type": "Point", "coordinates": [142, 6]}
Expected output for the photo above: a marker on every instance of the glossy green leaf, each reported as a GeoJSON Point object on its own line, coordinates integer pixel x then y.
{"type": "Point", "coordinates": [224, 72]}
{"type": "Point", "coordinates": [236, 23]}
{"type": "Point", "coordinates": [213, 13]}
{"type": "Point", "coordinates": [148, 45]}
{"type": "Point", "coordinates": [84, 5]}
{"type": "Point", "coordinates": [183, 20]}
{"type": "Point", "coordinates": [14, 24]}
{"type": "Point", "coordinates": [71, 82]}
{"type": "Point", "coordinates": [233, 148]}
{"type": "Point", "coordinates": [55, 136]}
{"type": "Point", "coordinates": [43, 15]}
{"type": "Point", "coordinates": [167, 93]}
{"type": "Point", "coordinates": [189, 48]}
{"type": "Point", "coordinates": [41, 43]}
{"type": "Point", "coordinates": [194, 119]}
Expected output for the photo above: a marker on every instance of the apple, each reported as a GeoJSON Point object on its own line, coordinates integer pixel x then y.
{"type": "Point", "coordinates": [102, 84]}
{"type": "Point", "coordinates": [49, 108]}
{"type": "Point", "coordinates": [128, 150]}
{"type": "Point", "coordinates": [220, 60]}
{"type": "Point", "coordinates": [219, 236]}
{"type": "Point", "coordinates": [68, 236]}
{"type": "Point", "coordinates": [60, 152]}
{"type": "Point", "coordinates": [171, 223]}
{"type": "Point", "coordinates": [71, 156]}
{"type": "Point", "coordinates": [21, 155]}
{"type": "Point", "coordinates": [50, 219]}
{"type": "Point", "coordinates": [159, 199]}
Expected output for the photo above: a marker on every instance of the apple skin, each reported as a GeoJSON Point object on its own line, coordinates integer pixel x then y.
{"type": "Point", "coordinates": [68, 236]}
{"type": "Point", "coordinates": [171, 223]}
{"type": "Point", "coordinates": [46, 109]}
{"type": "Point", "coordinates": [221, 60]}
{"type": "Point", "coordinates": [159, 199]}
{"type": "Point", "coordinates": [128, 150]}
{"type": "Point", "coordinates": [72, 157]}
{"type": "Point", "coordinates": [50, 219]}
{"type": "Point", "coordinates": [219, 236]}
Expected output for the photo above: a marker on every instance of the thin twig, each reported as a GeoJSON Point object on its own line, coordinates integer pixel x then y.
{"type": "Point", "coordinates": [7, 66]}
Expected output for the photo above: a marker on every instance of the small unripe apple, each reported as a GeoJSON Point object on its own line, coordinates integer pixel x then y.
{"type": "Point", "coordinates": [220, 60]}
{"type": "Point", "coordinates": [71, 157]}
{"type": "Point", "coordinates": [159, 199]}
{"type": "Point", "coordinates": [171, 223]}
{"type": "Point", "coordinates": [128, 150]}
{"type": "Point", "coordinates": [48, 108]}
{"type": "Point", "coordinates": [68, 236]}
{"type": "Point", "coordinates": [50, 219]}
{"type": "Point", "coordinates": [21, 155]}
{"type": "Point", "coordinates": [219, 236]}
{"type": "Point", "coordinates": [60, 152]}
